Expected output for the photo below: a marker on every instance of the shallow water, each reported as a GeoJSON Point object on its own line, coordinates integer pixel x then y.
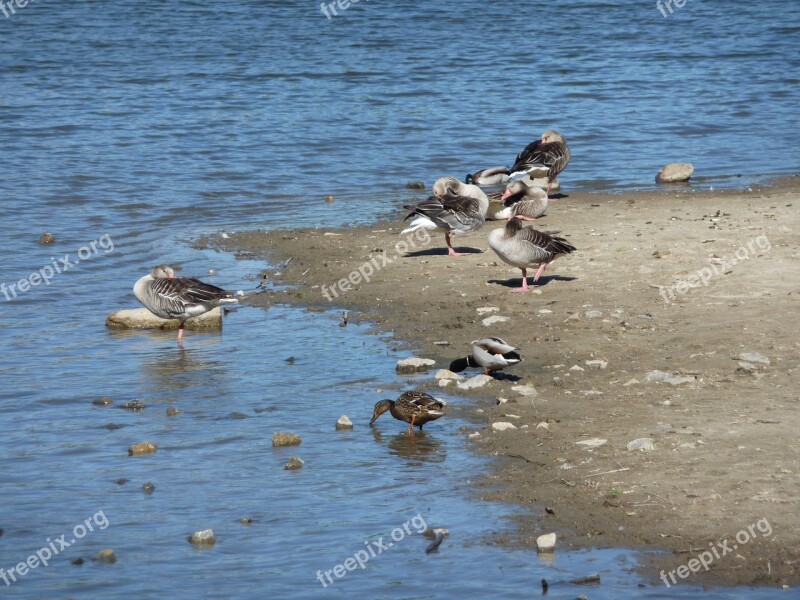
{"type": "Point", "coordinates": [153, 124]}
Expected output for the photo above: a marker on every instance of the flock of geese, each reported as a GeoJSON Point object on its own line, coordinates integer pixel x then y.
{"type": "Point", "coordinates": [454, 208]}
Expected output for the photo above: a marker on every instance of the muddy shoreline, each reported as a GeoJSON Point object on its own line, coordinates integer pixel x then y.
{"type": "Point", "coordinates": [701, 287]}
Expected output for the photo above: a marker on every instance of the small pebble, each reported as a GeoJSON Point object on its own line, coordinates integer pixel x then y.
{"type": "Point", "coordinates": [104, 401]}
{"type": "Point", "coordinates": [47, 238]}
{"type": "Point", "coordinates": [122, 481]}
{"type": "Point", "coordinates": [148, 488]}
{"type": "Point", "coordinates": [546, 542]}
{"type": "Point", "coordinates": [133, 405]}
{"type": "Point", "coordinates": [142, 449]}
{"type": "Point", "coordinates": [106, 556]}
{"type": "Point", "coordinates": [112, 426]}
{"type": "Point", "coordinates": [294, 464]}
{"type": "Point", "coordinates": [415, 185]}
{"type": "Point", "coordinates": [246, 521]}
{"type": "Point", "coordinates": [78, 561]}
{"type": "Point", "coordinates": [212, 271]}
{"type": "Point", "coordinates": [329, 198]}
{"type": "Point", "coordinates": [344, 423]}
{"type": "Point", "coordinates": [172, 411]}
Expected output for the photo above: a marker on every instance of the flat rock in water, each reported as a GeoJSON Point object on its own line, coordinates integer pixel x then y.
{"type": "Point", "coordinates": [205, 537]}
{"type": "Point", "coordinates": [286, 439]}
{"type": "Point", "coordinates": [643, 444]}
{"type": "Point", "coordinates": [414, 365]}
{"type": "Point", "coordinates": [142, 449]}
{"type": "Point", "coordinates": [344, 422]}
{"type": "Point", "coordinates": [474, 382]}
{"type": "Point", "coordinates": [294, 464]}
{"type": "Point", "coordinates": [675, 173]}
{"type": "Point", "coordinates": [489, 321]}
{"type": "Point", "coordinates": [754, 357]}
{"type": "Point", "coordinates": [546, 542]}
{"type": "Point", "coordinates": [104, 401]}
{"type": "Point", "coordinates": [503, 426]}
{"type": "Point", "coordinates": [133, 405]}
{"type": "Point", "coordinates": [173, 412]}
{"type": "Point", "coordinates": [47, 238]}
{"type": "Point", "coordinates": [141, 318]}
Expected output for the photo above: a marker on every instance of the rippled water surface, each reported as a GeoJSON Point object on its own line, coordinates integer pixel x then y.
{"type": "Point", "coordinates": [153, 123]}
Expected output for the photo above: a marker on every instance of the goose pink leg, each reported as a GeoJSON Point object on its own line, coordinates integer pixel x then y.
{"type": "Point", "coordinates": [450, 250]}
{"type": "Point", "coordinates": [524, 288]}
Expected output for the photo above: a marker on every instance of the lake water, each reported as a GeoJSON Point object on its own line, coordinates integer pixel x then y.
{"type": "Point", "coordinates": [145, 125]}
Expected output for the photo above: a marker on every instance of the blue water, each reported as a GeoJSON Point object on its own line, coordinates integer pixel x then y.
{"type": "Point", "coordinates": [154, 123]}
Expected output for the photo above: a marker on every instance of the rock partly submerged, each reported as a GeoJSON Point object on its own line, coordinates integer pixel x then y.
{"type": "Point", "coordinates": [406, 366]}
{"type": "Point", "coordinates": [141, 318]}
{"type": "Point", "coordinates": [286, 439]}
{"type": "Point", "coordinates": [675, 173]}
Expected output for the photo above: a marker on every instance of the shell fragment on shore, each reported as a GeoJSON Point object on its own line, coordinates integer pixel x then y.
{"type": "Point", "coordinates": [141, 318]}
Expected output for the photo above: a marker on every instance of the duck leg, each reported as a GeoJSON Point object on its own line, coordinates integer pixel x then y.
{"type": "Point", "coordinates": [524, 288]}
{"type": "Point", "coordinates": [450, 250]}
{"type": "Point", "coordinates": [180, 334]}
{"type": "Point", "coordinates": [411, 425]}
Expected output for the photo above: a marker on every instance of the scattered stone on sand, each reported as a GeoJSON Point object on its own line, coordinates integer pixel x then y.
{"type": "Point", "coordinates": [237, 415]}
{"type": "Point", "coordinates": [502, 426]}
{"type": "Point", "coordinates": [597, 364]}
{"type": "Point", "coordinates": [286, 439]}
{"type": "Point", "coordinates": [753, 357]}
{"type": "Point", "coordinates": [406, 366]}
{"type": "Point", "coordinates": [447, 374]}
{"type": "Point", "coordinates": [78, 561]}
{"type": "Point", "coordinates": [546, 542]}
{"type": "Point", "coordinates": [415, 185]}
{"type": "Point", "coordinates": [47, 238]}
{"type": "Point", "coordinates": [148, 488]}
{"type": "Point", "coordinates": [588, 393]}
{"type": "Point", "coordinates": [576, 368]}
{"type": "Point", "coordinates": [643, 444]}
{"type": "Point", "coordinates": [474, 434]}
{"type": "Point", "coordinates": [106, 556]}
{"type": "Point", "coordinates": [494, 319]}
{"type": "Point", "coordinates": [441, 343]}
{"type": "Point", "coordinates": [573, 317]}
{"type": "Point", "coordinates": [246, 521]}
{"type": "Point", "coordinates": [630, 382]}
{"type": "Point", "coordinates": [133, 405]}
{"type": "Point", "coordinates": [687, 446]}
{"type": "Point", "coordinates": [173, 412]}
{"type": "Point", "coordinates": [592, 442]}
{"type": "Point", "coordinates": [543, 425]}
{"type": "Point", "coordinates": [662, 376]}
{"type": "Point", "coordinates": [141, 318]}
{"type": "Point", "coordinates": [525, 390]}
{"type": "Point", "coordinates": [675, 172]}
{"type": "Point", "coordinates": [473, 383]}
{"type": "Point", "coordinates": [142, 449]}
{"type": "Point", "coordinates": [746, 368]}
{"type": "Point", "coordinates": [487, 310]}
{"type": "Point", "coordinates": [502, 401]}
{"type": "Point", "coordinates": [294, 463]}
{"type": "Point", "coordinates": [205, 537]}
{"type": "Point", "coordinates": [344, 422]}
{"type": "Point", "coordinates": [593, 314]}
{"type": "Point", "coordinates": [104, 401]}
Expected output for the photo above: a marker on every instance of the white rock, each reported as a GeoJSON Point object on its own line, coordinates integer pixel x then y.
{"type": "Point", "coordinates": [446, 374]}
{"type": "Point", "coordinates": [675, 172]}
{"type": "Point", "coordinates": [474, 382]}
{"type": "Point", "coordinates": [141, 318]}
{"type": "Point", "coordinates": [485, 310]}
{"type": "Point", "coordinates": [591, 393]}
{"type": "Point", "coordinates": [205, 537]}
{"type": "Point", "coordinates": [662, 376]}
{"type": "Point", "coordinates": [344, 423]}
{"type": "Point", "coordinates": [503, 426]}
{"type": "Point", "coordinates": [593, 442]}
{"type": "Point", "coordinates": [502, 400]}
{"type": "Point", "coordinates": [509, 416]}
{"type": "Point", "coordinates": [687, 446]}
{"type": "Point", "coordinates": [754, 357]}
{"type": "Point", "coordinates": [474, 435]}
{"type": "Point", "coordinates": [543, 425]}
{"type": "Point", "coordinates": [525, 390]}
{"type": "Point", "coordinates": [489, 321]}
{"type": "Point", "coordinates": [643, 444]}
{"type": "Point", "coordinates": [593, 314]}
{"type": "Point", "coordinates": [443, 383]}
{"type": "Point", "coordinates": [630, 382]}
{"type": "Point", "coordinates": [597, 364]}
{"type": "Point", "coordinates": [414, 365]}
{"type": "Point", "coordinates": [576, 368]}
{"type": "Point", "coordinates": [545, 311]}
{"type": "Point", "coordinates": [546, 542]}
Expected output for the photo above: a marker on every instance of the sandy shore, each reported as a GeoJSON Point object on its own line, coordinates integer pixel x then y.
{"type": "Point", "coordinates": [725, 451]}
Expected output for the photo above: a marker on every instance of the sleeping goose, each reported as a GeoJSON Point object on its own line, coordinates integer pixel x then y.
{"type": "Point", "coordinates": [181, 298]}
{"type": "Point", "coordinates": [524, 247]}
{"type": "Point", "coordinates": [491, 354]}
{"type": "Point", "coordinates": [491, 176]}
{"type": "Point", "coordinates": [454, 208]}
{"type": "Point", "coordinates": [546, 156]}
{"type": "Point", "coordinates": [414, 408]}
{"type": "Point", "coordinates": [523, 201]}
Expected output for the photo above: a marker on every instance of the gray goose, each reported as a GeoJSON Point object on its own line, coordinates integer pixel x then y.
{"type": "Point", "coordinates": [487, 177]}
{"type": "Point", "coordinates": [181, 298]}
{"type": "Point", "coordinates": [523, 201]}
{"type": "Point", "coordinates": [524, 247]}
{"type": "Point", "coordinates": [491, 354]}
{"type": "Point", "coordinates": [455, 208]}
{"type": "Point", "coordinates": [549, 154]}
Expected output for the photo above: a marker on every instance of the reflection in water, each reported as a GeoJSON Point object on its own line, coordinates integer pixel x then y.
{"type": "Point", "coordinates": [420, 447]}
{"type": "Point", "coordinates": [180, 369]}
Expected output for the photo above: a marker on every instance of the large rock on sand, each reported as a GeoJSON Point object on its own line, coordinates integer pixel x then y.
{"type": "Point", "coordinates": [675, 173]}
{"type": "Point", "coordinates": [141, 318]}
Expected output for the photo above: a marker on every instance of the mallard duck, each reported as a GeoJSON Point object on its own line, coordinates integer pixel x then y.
{"type": "Point", "coordinates": [547, 156]}
{"type": "Point", "coordinates": [491, 354]}
{"type": "Point", "coordinates": [523, 201]}
{"type": "Point", "coordinates": [454, 208]}
{"type": "Point", "coordinates": [415, 408]}
{"type": "Point", "coordinates": [181, 298]}
{"type": "Point", "coordinates": [491, 176]}
{"type": "Point", "coordinates": [523, 247]}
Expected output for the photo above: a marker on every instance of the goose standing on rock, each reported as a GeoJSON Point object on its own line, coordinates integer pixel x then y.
{"type": "Point", "coordinates": [455, 208]}
{"type": "Point", "coordinates": [523, 201]}
{"type": "Point", "coordinates": [549, 154]}
{"type": "Point", "coordinates": [487, 177]}
{"type": "Point", "coordinates": [524, 247]}
{"type": "Point", "coordinates": [414, 408]}
{"type": "Point", "coordinates": [491, 354]}
{"type": "Point", "coordinates": [181, 298]}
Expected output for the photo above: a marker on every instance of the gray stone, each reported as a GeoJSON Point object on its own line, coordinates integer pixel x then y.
{"type": "Point", "coordinates": [503, 426]}
{"type": "Point", "coordinates": [344, 422]}
{"type": "Point", "coordinates": [47, 239]}
{"type": "Point", "coordinates": [662, 376]}
{"type": "Point", "coordinates": [142, 449]}
{"type": "Point", "coordinates": [447, 374]}
{"type": "Point", "coordinates": [286, 439]}
{"type": "Point", "coordinates": [643, 444]}
{"type": "Point", "coordinates": [754, 357]}
{"type": "Point", "coordinates": [525, 390]}
{"type": "Point", "coordinates": [675, 173]}
{"type": "Point", "coordinates": [294, 464]}
{"type": "Point", "coordinates": [104, 401]}
{"type": "Point", "coordinates": [205, 537]}
{"type": "Point", "coordinates": [406, 366]}
{"type": "Point", "coordinates": [474, 382]}
{"type": "Point", "coordinates": [546, 542]}
{"type": "Point", "coordinates": [593, 442]}
{"type": "Point", "coordinates": [597, 364]}
{"type": "Point", "coordinates": [141, 318]}
{"type": "Point", "coordinates": [494, 319]}
{"type": "Point", "coordinates": [106, 556]}
{"type": "Point", "coordinates": [593, 314]}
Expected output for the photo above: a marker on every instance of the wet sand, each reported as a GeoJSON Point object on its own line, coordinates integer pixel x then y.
{"type": "Point", "coordinates": [656, 285]}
